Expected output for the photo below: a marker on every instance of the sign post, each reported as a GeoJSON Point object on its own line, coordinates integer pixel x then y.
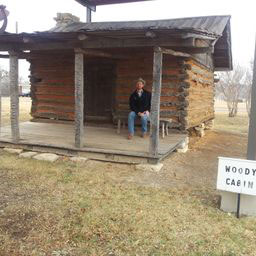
{"type": "Point", "coordinates": [238, 176]}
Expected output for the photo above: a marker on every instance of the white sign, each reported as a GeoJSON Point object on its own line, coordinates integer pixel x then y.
{"type": "Point", "coordinates": [237, 175]}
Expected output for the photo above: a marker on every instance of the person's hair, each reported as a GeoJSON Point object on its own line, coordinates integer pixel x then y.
{"type": "Point", "coordinates": [141, 80]}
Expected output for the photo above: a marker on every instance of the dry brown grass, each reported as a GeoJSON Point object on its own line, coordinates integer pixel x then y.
{"type": "Point", "coordinates": [99, 208]}
{"type": "Point", "coordinates": [69, 209]}
{"type": "Point", "coordinates": [238, 124]}
{"type": "Point", "coordinates": [25, 107]}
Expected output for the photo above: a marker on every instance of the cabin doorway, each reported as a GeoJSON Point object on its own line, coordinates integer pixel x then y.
{"type": "Point", "coordinates": [99, 90]}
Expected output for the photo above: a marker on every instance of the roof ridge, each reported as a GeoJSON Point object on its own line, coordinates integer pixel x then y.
{"type": "Point", "coordinates": [137, 21]}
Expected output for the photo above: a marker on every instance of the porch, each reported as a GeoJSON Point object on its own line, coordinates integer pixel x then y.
{"type": "Point", "coordinates": [100, 143]}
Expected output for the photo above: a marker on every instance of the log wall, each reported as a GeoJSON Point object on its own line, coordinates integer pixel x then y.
{"type": "Point", "coordinates": [200, 95]}
{"type": "Point", "coordinates": [187, 87]}
{"type": "Point", "coordinates": [174, 73]}
{"type": "Point", "coordinates": [52, 85]}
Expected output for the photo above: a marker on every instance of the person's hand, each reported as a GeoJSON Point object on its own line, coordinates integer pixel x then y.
{"type": "Point", "coordinates": [140, 114]}
{"type": "Point", "coordinates": [146, 113]}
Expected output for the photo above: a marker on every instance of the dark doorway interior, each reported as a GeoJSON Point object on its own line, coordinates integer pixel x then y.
{"type": "Point", "coordinates": [99, 90]}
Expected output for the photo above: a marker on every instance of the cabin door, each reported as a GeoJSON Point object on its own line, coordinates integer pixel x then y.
{"type": "Point", "coordinates": [99, 90]}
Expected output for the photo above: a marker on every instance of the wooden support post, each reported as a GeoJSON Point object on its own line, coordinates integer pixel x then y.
{"type": "Point", "coordinates": [14, 95]}
{"type": "Point", "coordinates": [155, 102]}
{"type": "Point", "coordinates": [118, 126]}
{"type": "Point", "coordinates": [79, 98]}
{"type": "Point", "coordinates": [163, 130]}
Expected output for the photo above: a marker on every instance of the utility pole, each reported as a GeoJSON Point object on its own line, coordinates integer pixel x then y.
{"type": "Point", "coordinates": [88, 15]}
{"type": "Point", "coordinates": [251, 145]}
{"type": "Point", "coordinates": [251, 148]}
{"type": "Point", "coordinates": [16, 27]}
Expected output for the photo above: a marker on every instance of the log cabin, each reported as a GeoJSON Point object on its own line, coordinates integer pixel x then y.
{"type": "Point", "coordinates": [83, 73]}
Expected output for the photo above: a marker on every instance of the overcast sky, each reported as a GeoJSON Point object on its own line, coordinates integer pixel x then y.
{"type": "Point", "coordinates": [35, 15]}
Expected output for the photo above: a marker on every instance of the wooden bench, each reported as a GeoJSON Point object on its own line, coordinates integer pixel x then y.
{"type": "Point", "coordinates": [164, 124]}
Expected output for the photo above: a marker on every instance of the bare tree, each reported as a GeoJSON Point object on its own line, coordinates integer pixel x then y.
{"type": "Point", "coordinates": [231, 87]}
{"type": "Point", "coordinates": [4, 82]}
{"type": "Point", "coordinates": [248, 87]}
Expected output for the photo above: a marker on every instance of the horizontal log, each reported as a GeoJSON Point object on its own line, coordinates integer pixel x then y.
{"type": "Point", "coordinates": [54, 92]}
{"type": "Point", "coordinates": [175, 77]}
{"type": "Point", "coordinates": [132, 77]}
{"type": "Point", "coordinates": [54, 116]}
{"type": "Point", "coordinates": [198, 64]}
{"type": "Point", "coordinates": [202, 72]}
{"type": "Point", "coordinates": [182, 104]}
{"type": "Point", "coordinates": [174, 72]}
{"type": "Point", "coordinates": [55, 81]}
{"type": "Point", "coordinates": [57, 97]}
{"type": "Point", "coordinates": [175, 53]}
{"type": "Point", "coordinates": [175, 84]}
{"type": "Point", "coordinates": [198, 122]}
{"type": "Point", "coordinates": [200, 80]}
{"type": "Point", "coordinates": [57, 101]}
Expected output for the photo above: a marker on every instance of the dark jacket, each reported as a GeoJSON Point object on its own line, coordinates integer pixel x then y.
{"type": "Point", "coordinates": [142, 103]}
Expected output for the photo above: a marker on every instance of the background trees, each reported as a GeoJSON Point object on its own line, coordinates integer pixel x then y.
{"type": "Point", "coordinates": [231, 87]}
{"type": "Point", "coordinates": [4, 82]}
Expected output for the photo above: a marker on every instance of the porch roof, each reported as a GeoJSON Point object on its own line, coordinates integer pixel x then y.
{"type": "Point", "coordinates": [215, 29]}
{"type": "Point", "coordinates": [208, 25]}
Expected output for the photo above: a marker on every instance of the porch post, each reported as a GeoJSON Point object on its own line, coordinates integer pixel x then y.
{"type": "Point", "coordinates": [79, 98]}
{"type": "Point", "coordinates": [155, 101]}
{"type": "Point", "coordinates": [14, 94]}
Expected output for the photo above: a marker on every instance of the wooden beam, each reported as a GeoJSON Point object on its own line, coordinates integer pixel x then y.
{"type": "Point", "coordinates": [79, 98]}
{"type": "Point", "coordinates": [14, 94]}
{"type": "Point", "coordinates": [175, 53]}
{"type": "Point", "coordinates": [155, 102]}
{"type": "Point", "coordinates": [101, 42]}
{"type": "Point", "coordinates": [19, 55]}
{"type": "Point", "coordinates": [4, 56]}
{"type": "Point", "coordinates": [98, 53]}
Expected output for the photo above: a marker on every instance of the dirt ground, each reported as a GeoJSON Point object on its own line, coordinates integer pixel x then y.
{"type": "Point", "coordinates": [101, 208]}
{"type": "Point", "coordinates": [64, 209]}
{"type": "Point", "coordinates": [197, 167]}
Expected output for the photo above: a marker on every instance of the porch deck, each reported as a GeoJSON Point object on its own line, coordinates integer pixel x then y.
{"type": "Point", "coordinates": [102, 143]}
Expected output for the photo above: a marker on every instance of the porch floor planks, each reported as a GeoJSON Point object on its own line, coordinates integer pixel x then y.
{"type": "Point", "coordinates": [105, 138]}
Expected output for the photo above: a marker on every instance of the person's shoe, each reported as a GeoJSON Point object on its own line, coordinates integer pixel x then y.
{"type": "Point", "coordinates": [129, 136]}
{"type": "Point", "coordinates": [144, 135]}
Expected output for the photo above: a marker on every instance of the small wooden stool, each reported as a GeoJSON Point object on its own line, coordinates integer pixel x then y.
{"type": "Point", "coordinates": [164, 124]}
{"type": "Point", "coordinates": [120, 123]}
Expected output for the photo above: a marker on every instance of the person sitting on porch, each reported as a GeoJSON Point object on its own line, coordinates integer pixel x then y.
{"type": "Point", "coordinates": [140, 103]}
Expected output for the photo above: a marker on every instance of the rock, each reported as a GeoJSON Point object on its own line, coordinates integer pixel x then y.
{"type": "Point", "coordinates": [13, 150]}
{"type": "Point", "coordinates": [182, 150]}
{"type": "Point", "coordinates": [199, 131]}
{"type": "Point", "coordinates": [47, 157]}
{"type": "Point", "coordinates": [183, 147]}
{"type": "Point", "coordinates": [209, 125]}
{"type": "Point", "coordinates": [149, 167]}
{"type": "Point", "coordinates": [29, 154]}
{"type": "Point", "coordinates": [78, 159]}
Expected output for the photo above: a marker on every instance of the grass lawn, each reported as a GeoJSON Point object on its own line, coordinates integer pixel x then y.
{"type": "Point", "coordinates": [238, 124]}
{"type": "Point", "coordinates": [25, 106]}
{"type": "Point", "coordinates": [67, 209]}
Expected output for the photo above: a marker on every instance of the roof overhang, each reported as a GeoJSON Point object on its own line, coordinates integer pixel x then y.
{"type": "Point", "coordinates": [191, 35]}
{"type": "Point", "coordinates": [222, 55]}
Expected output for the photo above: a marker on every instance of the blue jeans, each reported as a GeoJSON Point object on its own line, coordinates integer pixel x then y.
{"type": "Point", "coordinates": [144, 121]}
